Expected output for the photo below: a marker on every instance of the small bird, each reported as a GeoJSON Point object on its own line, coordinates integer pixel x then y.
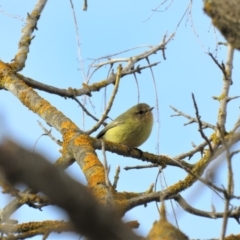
{"type": "Point", "coordinates": [131, 128]}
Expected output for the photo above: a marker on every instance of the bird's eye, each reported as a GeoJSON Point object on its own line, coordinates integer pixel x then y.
{"type": "Point", "coordinates": [141, 112]}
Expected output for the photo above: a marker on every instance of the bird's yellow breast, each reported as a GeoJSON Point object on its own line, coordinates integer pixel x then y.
{"type": "Point", "coordinates": [133, 133]}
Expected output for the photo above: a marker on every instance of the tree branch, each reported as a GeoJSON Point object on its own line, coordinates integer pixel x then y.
{"type": "Point", "coordinates": [88, 217]}
{"type": "Point", "coordinates": [25, 41]}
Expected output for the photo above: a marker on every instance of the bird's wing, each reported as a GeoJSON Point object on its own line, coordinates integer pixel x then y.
{"type": "Point", "coordinates": [109, 126]}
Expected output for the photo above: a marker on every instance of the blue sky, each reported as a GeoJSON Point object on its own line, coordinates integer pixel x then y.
{"type": "Point", "coordinates": [110, 27]}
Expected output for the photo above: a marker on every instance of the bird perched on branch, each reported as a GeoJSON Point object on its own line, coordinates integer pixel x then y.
{"type": "Point", "coordinates": [131, 128]}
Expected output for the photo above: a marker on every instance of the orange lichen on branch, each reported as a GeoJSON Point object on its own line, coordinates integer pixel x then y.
{"type": "Point", "coordinates": [44, 107]}
{"type": "Point", "coordinates": [89, 162]}
{"type": "Point", "coordinates": [30, 98]}
{"type": "Point", "coordinates": [83, 140]}
{"type": "Point", "coordinates": [5, 70]}
{"type": "Point", "coordinates": [202, 164]}
{"type": "Point", "coordinates": [35, 228]}
{"type": "Point", "coordinates": [69, 129]}
{"type": "Point", "coordinates": [40, 107]}
{"type": "Point", "coordinates": [69, 132]}
{"type": "Point", "coordinates": [79, 146]}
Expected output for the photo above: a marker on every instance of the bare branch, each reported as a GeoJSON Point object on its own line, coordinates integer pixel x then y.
{"type": "Point", "coordinates": [25, 41]}
{"type": "Point", "coordinates": [109, 197]}
{"type": "Point", "coordinates": [200, 125]}
{"type": "Point", "coordinates": [11, 15]}
{"type": "Point", "coordinates": [85, 5]}
{"type": "Point", "coordinates": [232, 98]}
{"type": "Point", "coordinates": [161, 160]}
{"type": "Point", "coordinates": [87, 89]}
{"type": "Point", "coordinates": [48, 133]}
{"type": "Point", "coordinates": [142, 167]}
{"type": "Point", "coordinates": [222, 113]}
{"type": "Point", "coordinates": [141, 56]}
{"type": "Point", "coordinates": [189, 154]}
{"type": "Point", "coordinates": [116, 177]}
{"type": "Point", "coordinates": [230, 186]}
{"type": "Point", "coordinates": [85, 110]}
{"type": "Point", "coordinates": [78, 39]}
{"type": "Point", "coordinates": [180, 200]}
{"type": "Point", "coordinates": [192, 120]}
{"type": "Point", "coordinates": [156, 97]}
{"type": "Point", "coordinates": [221, 66]}
{"type": "Point", "coordinates": [234, 152]}
{"type": "Point", "coordinates": [138, 90]}
{"type": "Point", "coordinates": [98, 124]}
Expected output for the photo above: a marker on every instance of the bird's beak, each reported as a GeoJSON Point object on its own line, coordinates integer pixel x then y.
{"type": "Point", "coordinates": [150, 109]}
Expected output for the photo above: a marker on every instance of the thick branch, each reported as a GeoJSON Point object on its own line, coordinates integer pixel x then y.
{"type": "Point", "coordinates": [86, 89]}
{"type": "Point", "coordinates": [88, 217]}
{"type": "Point", "coordinates": [227, 81]}
{"type": "Point", "coordinates": [25, 41]}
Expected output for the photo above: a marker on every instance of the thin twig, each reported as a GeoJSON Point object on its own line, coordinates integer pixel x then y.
{"type": "Point", "coordinates": [95, 70]}
{"type": "Point", "coordinates": [160, 169]}
{"type": "Point", "coordinates": [109, 197]}
{"type": "Point", "coordinates": [157, 105]}
{"type": "Point", "coordinates": [189, 154]}
{"type": "Point", "coordinates": [85, 110]}
{"type": "Point", "coordinates": [116, 60]}
{"type": "Point", "coordinates": [222, 43]}
{"type": "Point", "coordinates": [105, 164]}
{"type": "Point", "coordinates": [234, 152]}
{"type": "Point", "coordinates": [85, 5]}
{"type": "Point", "coordinates": [143, 55]}
{"type": "Point", "coordinates": [138, 90]}
{"type": "Point", "coordinates": [156, 9]}
{"type": "Point", "coordinates": [116, 177]}
{"type": "Point", "coordinates": [97, 125]}
{"type": "Point", "coordinates": [196, 34]}
{"type": "Point", "coordinates": [48, 133]}
{"type": "Point", "coordinates": [78, 41]}
{"type": "Point", "coordinates": [192, 120]}
{"type": "Point", "coordinates": [200, 125]}
{"type": "Point", "coordinates": [221, 66]}
{"type": "Point", "coordinates": [232, 98]}
{"type": "Point", "coordinates": [141, 167]}
{"type": "Point", "coordinates": [18, 17]}
{"type": "Point", "coordinates": [230, 186]}
{"type": "Point", "coordinates": [150, 189]}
